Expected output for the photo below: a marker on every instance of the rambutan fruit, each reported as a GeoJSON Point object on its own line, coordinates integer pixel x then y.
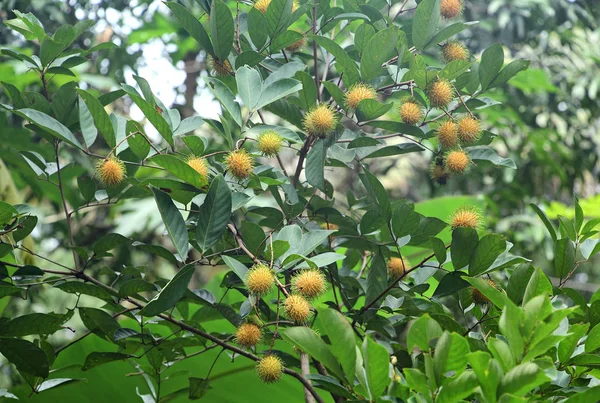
{"type": "Point", "coordinates": [240, 163]}
{"type": "Point", "coordinates": [111, 171]}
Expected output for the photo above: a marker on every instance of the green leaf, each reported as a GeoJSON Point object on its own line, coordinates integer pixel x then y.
{"type": "Point", "coordinates": [49, 124]}
{"type": "Point", "coordinates": [379, 50]}
{"type": "Point", "coordinates": [377, 367]}
{"type": "Point", "coordinates": [214, 214]}
{"type": "Point", "coordinates": [134, 286]}
{"type": "Point", "coordinates": [226, 97]}
{"type": "Point", "coordinates": [49, 50]}
{"type": "Point", "coordinates": [522, 379]}
{"type": "Point", "coordinates": [86, 123]}
{"type": "Point", "coordinates": [449, 32]}
{"type": "Point", "coordinates": [110, 241]}
{"type": "Point", "coordinates": [450, 354]}
{"type": "Point", "coordinates": [463, 245]}
{"type": "Point", "coordinates": [488, 372]}
{"type": "Point", "coordinates": [399, 127]}
{"type": "Point", "coordinates": [171, 293]}
{"type": "Point", "coordinates": [180, 169]}
{"type": "Point", "coordinates": [377, 279]}
{"type": "Point", "coordinates": [26, 356]}
{"type": "Point", "coordinates": [454, 69]}
{"type": "Point", "coordinates": [257, 28]}
{"type": "Point", "coordinates": [315, 165]}
{"type": "Point", "coordinates": [376, 193]}
{"type": "Point", "coordinates": [188, 125]}
{"type": "Point", "coordinates": [198, 388]}
{"type": "Point", "coordinates": [57, 382]}
{"type": "Point", "coordinates": [425, 22]}
{"type": "Point", "coordinates": [249, 85]}
{"type": "Point", "coordinates": [99, 322]}
{"type": "Point", "coordinates": [450, 284]}
{"type": "Point", "coordinates": [237, 267]}
{"type": "Point", "coordinates": [77, 287]}
{"type": "Point", "coordinates": [248, 58]}
{"type": "Point", "coordinates": [589, 248]}
{"type": "Point", "coordinates": [221, 29]}
{"type": "Point", "coordinates": [340, 334]}
{"type": "Point", "coordinates": [422, 332]}
{"type": "Point", "coordinates": [492, 60]}
{"type": "Point", "coordinates": [485, 253]}
{"type": "Point", "coordinates": [308, 94]}
{"type": "Point", "coordinates": [278, 16]}
{"type": "Point", "coordinates": [509, 72]}
{"type": "Point", "coordinates": [308, 341]}
{"type": "Point", "coordinates": [458, 388]}
{"type": "Point", "coordinates": [101, 119]}
{"type": "Point", "coordinates": [510, 324]}
{"type": "Point", "coordinates": [277, 90]}
{"type": "Point", "coordinates": [33, 323]}
{"type": "Point", "coordinates": [343, 63]}
{"type": "Point", "coordinates": [157, 120]}
{"type": "Point", "coordinates": [567, 346]}
{"type": "Point", "coordinates": [405, 221]}
{"type": "Point", "coordinates": [545, 220]}
{"type": "Point", "coordinates": [25, 228]}
{"type": "Point", "coordinates": [592, 342]}
{"type": "Point", "coordinates": [492, 293]}
{"type": "Point", "coordinates": [191, 25]}
{"type": "Point", "coordinates": [369, 109]}
{"type": "Point", "coordinates": [173, 222]}
{"type": "Point", "coordinates": [489, 155]}
{"type": "Point", "coordinates": [96, 358]}
{"type": "Point", "coordinates": [564, 257]}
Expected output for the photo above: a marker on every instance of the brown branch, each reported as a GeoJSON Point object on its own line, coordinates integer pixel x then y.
{"type": "Point", "coordinates": [303, 152]}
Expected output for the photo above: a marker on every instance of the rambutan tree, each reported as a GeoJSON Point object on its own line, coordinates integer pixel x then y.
{"type": "Point", "coordinates": [345, 297]}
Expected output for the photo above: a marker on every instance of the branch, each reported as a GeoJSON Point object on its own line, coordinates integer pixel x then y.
{"type": "Point", "coordinates": [303, 152]}
{"type": "Point", "coordinates": [314, 31]}
{"type": "Point", "coordinates": [305, 367]}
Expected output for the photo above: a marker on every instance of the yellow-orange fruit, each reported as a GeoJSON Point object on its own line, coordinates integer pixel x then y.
{"type": "Point", "coordinates": [240, 163]}
{"type": "Point", "coordinates": [309, 283]}
{"type": "Point", "coordinates": [270, 143]}
{"type": "Point", "coordinates": [457, 161]}
{"type": "Point", "coordinates": [451, 8]}
{"type": "Point", "coordinates": [320, 121]}
{"type": "Point", "coordinates": [396, 267]}
{"type": "Point", "coordinates": [465, 217]}
{"type": "Point", "coordinates": [447, 134]}
{"type": "Point", "coordinates": [479, 297]}
{"type": "Point", "coordinates": [269, 368]}
{"type": "Point", "coordinates": [199, 165]}
{"type": "Point", "coordinates": [440, 93]}
{"type": "Point", "coordinates": [299, 44]}
{"type": "Point", "coordinates": [455, 51]}
{"type": "Point", "coordinates": [260, 279]}
{"type": "Point", "coordinates": [263, 5]}
{"type": "Point", "coordinates": [359, 92]}
{"type": "Point", "coordinates": [248, 335]}
{"type": "Point", "coordinates": [439, 173]}
{"type": "Point", "coordinates": [330, 226]}
{"type": "Point", "coordinates": [111, 171]}
{"type": "Point", "coordinates": [410, 112]}
{"type": "Point", "coordinates": [220, 67]}
{"type": "Point", "coordinates": [297, 308]}
{"type": "Point", "coordinates": [469, 130]}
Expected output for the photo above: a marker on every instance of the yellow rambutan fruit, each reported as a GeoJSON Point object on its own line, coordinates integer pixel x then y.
{"type": "Point", "coordinates": [451, 8]}
{"type": "Point", "coordinates": [466, 217]}
{"type": "Point", "coordinates": [396, 267]}
{"type": "Point", "coordinates": [239, 163]}
{"type": "Point", "coordinates": [220, 67]}
{"type": "Point", "coordinates": [111, 171]}
{"type": "Point", "coordinates": [454, 51]}
{"type": "Point", "coordinates": [447, 134]}
{"type": "Point", "coordinates": [469, 130]}
{"type": "Point", "coordinates": [199, 165]}
{"type": "Point", "coordinates": [299, 44]}
{"type": "Point", "coordinates": [309, 283]}
{"type": "Point", "coordinates": [260, 279]}
{"type": "Point", "coordinates": [410, 112]}
{"type": "Point", "coordinates": [269, 368]}
{"type": "Point", "coordinates": [297, 308]}
{"type": "Point", "coordinates": [357, 93]}
{"type": "Point", "coordinates": [479, 297]}
{"type": "Point", "coordinates": [439, 173]}
{"type": "Point", "coordinates": [270, 143]}
{"type": "Point", "coordinates": [320, 121]}
{"type": "Point", "coordinates": [457, 161]}
{"type": "Point", "coordinates": [248, 335]}
{"type": "Point", "coordinates": [440, 93]}
{"type": "Point", "coordinates": [263, 5]}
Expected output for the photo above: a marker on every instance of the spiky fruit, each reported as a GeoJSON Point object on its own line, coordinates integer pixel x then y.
{"type": "Point", "coordinates": [439, 173]}
{"type": "Point", "coordinates": [457, 161]}
{"type": "Point", "coordinates": [260, 279]}
{"type": "Point", "coordinates": [469, 130]}
{"type": "Point", "coordinates": [269, 368]}
{"type": "Point", "coordinates": [270, 143]}
{"type": "Point", "coordinates": [297, 308]}
{"type": "Point", "coordinates": [309, 283]}
{"type": "Point", "coordinates": [359, 92]}
{"type": "Point", "coordinates": [410, 112]}
{"type": "Point", "coordinates": [451, 8]}
{"type": "Point", "coordinates": [465, 217]}
{"type": "Point", "coordinates": [330, 226]}
{"type": "Point", "coordinates": [440, 93]}
{"type": "Point", "coordinates": [263, 5]}
{"type": "Point", "coordinates": [455, 51]}
{"type": "Point", "coordinates": [396, 267]}
{"type": "Point", "coordinates": [320, 121]}
{"type": "Point", "coordinates": [220, 67]}
{"type": "Point", "coordinates": [479, 297]}
{"type": "Point", "coordinates": [111, 171]}
{"type": "Point", "coordinates": [248, 335]}
{"type": "Point", "coordinates": [447, 134]}
{"type": "Point", "coordinates": [239, 163]}
{"type": "Point", "coordinates": [299, 44]}
{"type": "Point", "coordinates": [199, 165]}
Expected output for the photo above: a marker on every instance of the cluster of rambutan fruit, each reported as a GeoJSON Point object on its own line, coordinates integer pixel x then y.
{"type": "Point", "coordinates": [306, 285]}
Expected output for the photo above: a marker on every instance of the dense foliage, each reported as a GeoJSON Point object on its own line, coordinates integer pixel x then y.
{"type": "Point", "coordinates": [346, 290]}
